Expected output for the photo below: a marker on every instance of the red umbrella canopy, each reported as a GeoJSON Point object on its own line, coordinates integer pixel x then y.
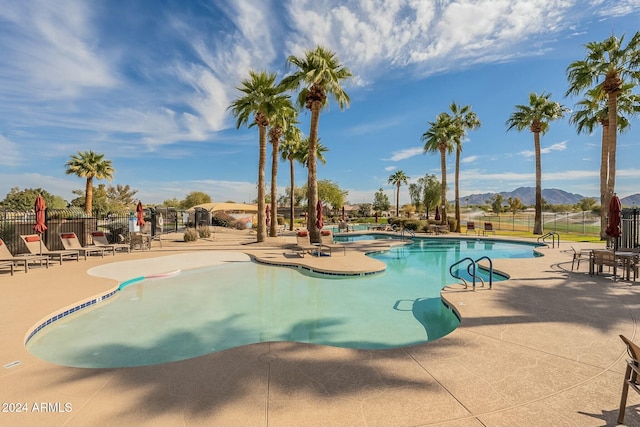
{"type": "Point", "coordinates": [615, 209]}
{"type": "Point", "coordinates": [267, 212]}
{"type": "Point", "coordinates": [39, 207]}
{"type": "Point", "coordinates": [319, 222]}
{"type": "Point", "coordinates": [437, 217]}
{"type": "Point", "coordinates": [140, 213]}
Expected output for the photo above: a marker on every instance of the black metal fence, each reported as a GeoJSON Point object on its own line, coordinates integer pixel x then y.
{"type": "Point", "coordinates": [117, 226]}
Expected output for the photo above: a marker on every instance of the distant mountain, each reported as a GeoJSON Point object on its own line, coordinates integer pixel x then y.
{"type": "Point", "coordinates": [632, 200]}
{"type": "Point", "coordinates": [527, 196]}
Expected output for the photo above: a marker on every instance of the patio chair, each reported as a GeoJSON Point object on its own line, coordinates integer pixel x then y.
{"type": "Point", "coordinates": [602, 258]}
{"type": "Point", "coordinates": [100, 239]}
{"type": "Point", "coordinates": [471, 227]}
{"type": "Point", "coordinates": [24, 259]}
{"type": "Point", "coordinates": [304, 245]}
{"type": "Point", "coordinates": [326, 238]}
{"type": "Point", "coordinates": [630, 376]}
{"type": "Point", "coordinates": [70, 242]}
{"type": "Point", "coordinates": [7, 264]}
{"type": "Point", "coordinates": [488, 228]}
{"type": "Point", "coordinates": [578, 255]}
{"type": "Point", "coordinates": [36, 246]}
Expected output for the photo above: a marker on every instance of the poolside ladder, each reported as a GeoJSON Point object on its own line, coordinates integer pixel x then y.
{"type": "Point", "coordinates": [552, 234]}
{"type": "Point", "coordinates": [409, 232]}
{"type": "Point", "coordinates": [471, 271]}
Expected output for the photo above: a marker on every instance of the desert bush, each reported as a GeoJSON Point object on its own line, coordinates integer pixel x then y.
{"type": "Point", "coordinates": [222, 219]}
{"type": "Point", "coordinates": [412, 224]}
{"type": "Point", "coordinates": [190, 235]}
{"type": "Point", "coordinates": [204, 231]}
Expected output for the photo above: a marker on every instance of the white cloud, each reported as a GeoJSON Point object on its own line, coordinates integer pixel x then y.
{"type": "Point", "coordinates": [405, 154]}
{"type": "Point", "coordinates": [10, 152]}
{"type": "Point", "coordinates": [469, 159]}
{"type": "Point", "coordinates": [561, 146]}
{"type": "Point", "coordinates": [389, 168]}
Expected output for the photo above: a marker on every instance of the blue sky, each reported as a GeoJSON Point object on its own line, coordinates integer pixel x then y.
{"type": "Point", "coordinates": [148, 83]}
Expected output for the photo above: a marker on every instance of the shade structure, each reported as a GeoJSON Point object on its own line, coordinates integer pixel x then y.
{"type": "Point", "coordinates": [267, 212]}
{"type": "Point", "coordinates": [319, 222]}
{"type": "Point", "coordinates": [140, 214]}
{"type": "Point", "coordinates": [437, 217]}
{"type": "Point", "coordinates": [615, 217]}
{"type": "Point", "coordinates": [39, 207]}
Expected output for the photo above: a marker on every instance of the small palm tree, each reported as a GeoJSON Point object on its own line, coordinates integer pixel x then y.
{"type": "Point", "coordinates": [280, 121]}
{"type": "Point", "coordinates": [593, 111]}
{"type": "Point", "coordinates": [320, 74]}
{"type": "Point", "coordinates": [439, 138]}
{"type": "Point", "coordinates": [89, 165]}
{"type": "Point", "coordinates": [261, 100]}
{"type": "Point", "coordinates": [463, 119]}
{"type": "Point", "coordinates": [397, 179]}
{"type": "Point", "coordinates": [290, 150]}
{"type": "Point", "coordinates": [536, 117]}
{"type": "Point", "coordinates": [610, 66]}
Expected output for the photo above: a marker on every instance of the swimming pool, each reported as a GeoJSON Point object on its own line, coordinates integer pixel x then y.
{"type": "Point", "coordinates": [368, 236]}
{"type": "Point", "coordinates": [210, 309]}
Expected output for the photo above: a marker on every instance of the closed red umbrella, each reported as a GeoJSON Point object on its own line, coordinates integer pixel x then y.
{"type": "Point", "coordinates": [40, 227]}
{"type": "Point", "coordinates": [437, 216]}
{"type": "Point", "coordinates": [267, 212]}
{"type": "Point", "coordinates": [140, 213]}
{"type": "Point", "coordinates": [615, 210]}
{"type": "Point", "coordinates": [319, 222]}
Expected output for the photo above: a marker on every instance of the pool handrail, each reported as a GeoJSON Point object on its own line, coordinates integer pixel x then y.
{"type": "Point", "coordinates": [471, 270]}
{"type": "Point", "coordinates": [551, 234]}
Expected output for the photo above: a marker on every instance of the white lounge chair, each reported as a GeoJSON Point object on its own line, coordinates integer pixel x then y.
{"type": "Point", "coordinates": [24, 259]}
{"type": "Point", "coordinates": [100, 239]}
{"type": "Point", "coordinates": [70, 242]}
{"type": "Point", "coordinates": [36, 246]}
{"type": "Point", "coordinates": [304, 245]}
{"type": "Point", "coordinates": [326, 238]}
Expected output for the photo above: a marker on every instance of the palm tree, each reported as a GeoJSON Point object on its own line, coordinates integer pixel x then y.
{"type": "Point", "coordinates": [609, 66]}
{"type": "Point", "coordinates": [290, 150]}
{"type": "Point", "coordinates": [593, 111]}
{"type": "Point", "coordinates": [320, 74]}
{"type": "Point", "coordinates": [280, 121]}
{"type": "Point", "coordinates": [463, 119]}
{"type": "Point", "coordinates": [261, 99]}
{"type": "Point", "coordinates": [439, 139]}
{"type": "Point", "coordinates": [304, 152]}
{"type": "Point", "coordinates": [89, 165]}
{"type": "Point", "coordinates": [397, 179]}
{"type": "Point", "coordinates": [536, 117]}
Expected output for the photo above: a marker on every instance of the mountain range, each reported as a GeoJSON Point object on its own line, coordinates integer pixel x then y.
{"type": "Point", "coordinates": [552, 196]}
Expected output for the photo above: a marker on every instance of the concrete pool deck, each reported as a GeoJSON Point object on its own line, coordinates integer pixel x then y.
{"type": "Point", "coordinates": [541, 349]}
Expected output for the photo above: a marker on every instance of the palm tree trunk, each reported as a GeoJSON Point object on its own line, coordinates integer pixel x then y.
{"type": "Point", "coordinates": [273, 229]}
{"type": "Point", "coordinates": [88, 199]}
{"type": "Point", "coordinates": [443, 194]}
{"type": "Point", "coordinates": [262, 160]}
{"type": "Point", "coordinates": [398, 199]}
{"type": "Point", "coordinates": [612, 104]}
{"type": "Point", "coordinates": [457, 193]}
{"type": "Point", "coordinates": [292, 195]}
{"type": "Point", "coordinates": [604, 174]}
{"type": "Point", "coordinates": [312, 179]}
{"type": "Point", "coordinates": [537, 226]}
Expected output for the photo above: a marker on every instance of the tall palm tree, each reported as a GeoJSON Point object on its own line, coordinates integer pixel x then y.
{"type": "Point", "coordinates": [305, 152]}
{"type": "Point", "coordinates": [290, 150]}
{"type": "Point", "coordinates": [89, 165]}
{"type": "Point", "coordinates": [439, 138]}
{"type": "Point", "coordinates": [397, 179]}
{"type": "Point", "coordinates": [280, 121]}
{"type": "Point", "coordinates": [463, 119]}
{"type": "Point", "coordinates": [261, 99]}
{"type": "Point", "coordinates": [320, 75]}
{"type": "Point", "coordinates": [536, 117]}
{"type": "Point", "coordinates": [610, 66]}
{"type": "Point", "coordinates": [593, 111]}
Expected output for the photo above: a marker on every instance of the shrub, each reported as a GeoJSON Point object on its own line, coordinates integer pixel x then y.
{"type": "Point", "coordinates": [222, 219]}
{"type": "Point", "coordinates": [190, 235]}
{"type": "Point", "coordinates": [412, 224]}
{"type": "Point", "coordinates": [204, 231]}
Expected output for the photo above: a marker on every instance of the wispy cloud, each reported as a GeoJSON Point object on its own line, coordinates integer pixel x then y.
{"type": "Point", "coordinates": [10, 152]}
{"type": "Point", "coordinates": [405, 154]}
{"type": "Point", "coordinates": [390, 168]}
{"type": "Point", "coordinates": [469, 159]}
{"type": "Point", "coordinates": [561, 146]}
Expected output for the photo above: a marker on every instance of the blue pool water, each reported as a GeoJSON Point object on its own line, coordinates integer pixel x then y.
{"type": "Point", "coordinates": [211, 309]}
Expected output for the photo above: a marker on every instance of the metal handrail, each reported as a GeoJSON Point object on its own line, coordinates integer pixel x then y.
{"type": "Point", "coordinates": [471, 269]}
{"type": "Point", "coordinates": [409, 232]}
{"type": "Point", "coordinates": [552, 234]}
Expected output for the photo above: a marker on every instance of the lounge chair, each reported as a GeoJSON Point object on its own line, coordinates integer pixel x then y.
{"type": "Point", "coordinates": [70, 242]}
{"type": "Point", "coordinates": [304, 245]}
{"type": "Point", "coordinates": [7, 264]}
{"type": "Point", "coordinates": [36, 246]}
{"type": "Point", "coordinates": [326, 238]}
{"type": "Point", "coordinates": [488, 228]}
{"type": "Point", "coordinates": [100, 239]}
{"type": "Point", "coordinates": [24, 259]}
{"type": "Point", "coordinates": [630, 375]}
{"type": "Point", "coordinates": [578, 255]}
{"type": "Point", "coordinates": [471, 227]}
